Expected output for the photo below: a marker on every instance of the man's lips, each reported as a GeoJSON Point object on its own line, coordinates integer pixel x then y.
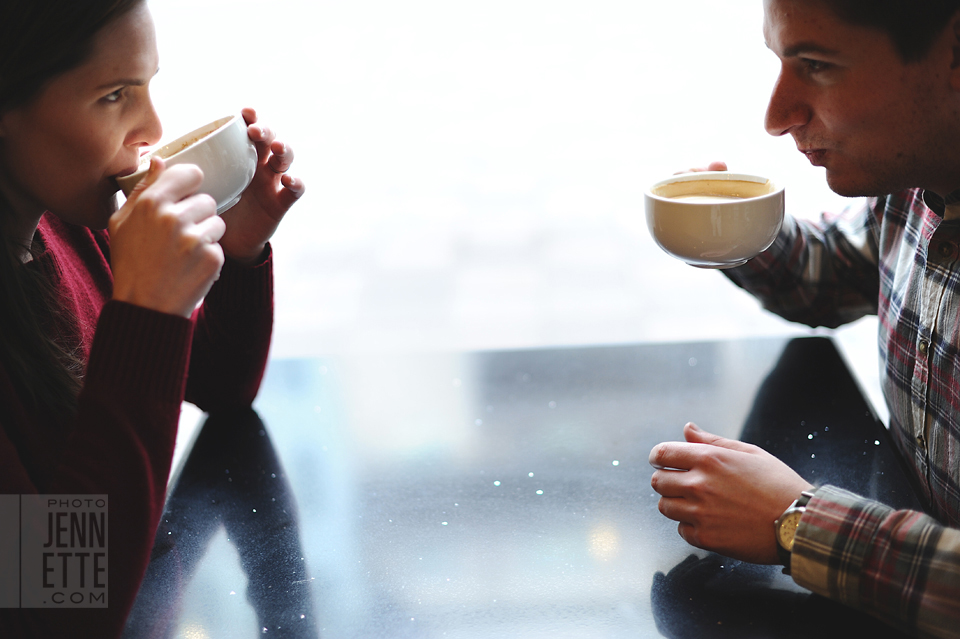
{"type": "Point", "coordinates": [816, 156]}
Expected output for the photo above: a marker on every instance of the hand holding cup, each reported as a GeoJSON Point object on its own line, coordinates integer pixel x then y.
{"type": "Point", "coordinates": [164, 245]}
{"type": "Point", "coordinates": [255, 218]}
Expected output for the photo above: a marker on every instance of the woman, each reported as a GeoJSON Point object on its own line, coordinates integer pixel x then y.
{"type": "Point", "coordinates": [100, 336]}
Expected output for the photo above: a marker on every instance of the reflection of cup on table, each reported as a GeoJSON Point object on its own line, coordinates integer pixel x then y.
{"type": "Point", "coordinates": [714, 219]}
{"type": "Point", "coordinates": [223, 151]}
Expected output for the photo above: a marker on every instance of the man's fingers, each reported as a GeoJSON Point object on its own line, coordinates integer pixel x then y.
{"type": "Point", "coordinates": [713, 166]}
{"type": "Point", "coordinates": [675, 455]}
{"type": "Point", "coordinates": [694, 435]}
{"type": "Point", "coordinates": [669, 483]}
{"type": "Point", "coordinates": [675, 508]}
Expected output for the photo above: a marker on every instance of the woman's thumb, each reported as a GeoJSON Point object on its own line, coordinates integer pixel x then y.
{"type": "Point", "coordinates": [156, 168]}
{"type": "Point", "coordinates": [152, 175]}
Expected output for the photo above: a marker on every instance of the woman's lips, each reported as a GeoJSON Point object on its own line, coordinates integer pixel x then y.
{"type": "Point", "coordinates": [127, 171]}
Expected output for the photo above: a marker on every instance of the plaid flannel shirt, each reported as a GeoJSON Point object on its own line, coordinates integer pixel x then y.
{"type": "Point", "coordinates": [899, 259]}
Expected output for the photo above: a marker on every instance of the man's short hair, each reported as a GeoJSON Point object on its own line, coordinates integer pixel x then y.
{"type": "Point", "coordinates": [913, 25]}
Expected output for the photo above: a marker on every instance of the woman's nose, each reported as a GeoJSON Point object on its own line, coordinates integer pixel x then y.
{"type": "Point", "coordinates": [148, 129]}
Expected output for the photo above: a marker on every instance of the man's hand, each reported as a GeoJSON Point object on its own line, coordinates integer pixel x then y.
{"type": "Point", "coordinates": [724, 493]}
{"type": "Point", "coordinates": [713, 166]}
{"type": "Point", "coordinates": [254, 219]}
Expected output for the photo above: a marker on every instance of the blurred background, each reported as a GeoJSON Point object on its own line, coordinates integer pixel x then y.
{"type": "Point", "coordinates": [475, 170]}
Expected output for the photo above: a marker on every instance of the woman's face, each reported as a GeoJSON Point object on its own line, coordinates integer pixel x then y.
{"type": "Point", "coordinates": [62, 151]}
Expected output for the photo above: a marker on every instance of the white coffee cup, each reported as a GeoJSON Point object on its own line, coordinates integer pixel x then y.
{"type": "Point", "coordinates": [223, 151]}
{"type": "Point", "coordinates": [714, 219]}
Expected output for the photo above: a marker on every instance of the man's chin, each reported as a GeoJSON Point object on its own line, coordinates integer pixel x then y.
{"type": "Point", "coordinates": [851, 187]}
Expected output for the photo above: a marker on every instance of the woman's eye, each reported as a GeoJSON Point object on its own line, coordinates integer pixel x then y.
{"type": "Point", "coordinates": [115, 96]}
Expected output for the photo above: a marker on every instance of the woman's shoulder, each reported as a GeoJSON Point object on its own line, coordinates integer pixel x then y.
{"type": "Point", "coordinates": [74, 242]}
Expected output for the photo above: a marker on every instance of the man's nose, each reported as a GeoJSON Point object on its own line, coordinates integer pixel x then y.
{"type": "Point", "coordinates": [788, 107]}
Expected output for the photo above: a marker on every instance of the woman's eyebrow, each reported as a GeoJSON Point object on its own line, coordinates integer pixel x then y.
{"type": "Point", "coordinates": [131, 82]}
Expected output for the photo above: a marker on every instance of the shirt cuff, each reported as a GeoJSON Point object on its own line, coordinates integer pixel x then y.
{"type": "Point", "coordinates": [242, 286]}
{"type": "Point", "coordinates": [139, 352]}
{"type": "Point", "coordinates": [834, 539]}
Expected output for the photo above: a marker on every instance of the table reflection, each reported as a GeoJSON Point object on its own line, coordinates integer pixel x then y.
{"type": "Point", "coordinates": [232, 481]}
{"type": "Point", "coordinates": [498, 494]}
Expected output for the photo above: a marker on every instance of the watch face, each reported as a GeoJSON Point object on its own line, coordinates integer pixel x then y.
{"type": "Point", "coordinates": [788, 528]}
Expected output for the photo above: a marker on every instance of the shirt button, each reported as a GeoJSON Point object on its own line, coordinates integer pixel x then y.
{"type": "Point", "coordinates": [945, 249]}
{"type": "Point", "coordinates": [920, 441]}
{"type": "Point", "coordinates": [923, 346]}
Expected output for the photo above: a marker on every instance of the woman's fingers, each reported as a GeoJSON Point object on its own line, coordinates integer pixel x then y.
{"type": "Point", "coordinates": [170, 186]}
{"type": "Point", "coordinates": [210, 230]}
{"type": "Point", "coordinates": [293, 190]}
{"type": "Point", "coordinates": [262, 137]}
{"type": "Point", "coordinates": [281, 157]}
{"type": "Point", "coordinates": [164, 243]}
{"type": "Point", "coordinates": [249, 115]}
{"type": "Point", "coordinates": [195, 208]}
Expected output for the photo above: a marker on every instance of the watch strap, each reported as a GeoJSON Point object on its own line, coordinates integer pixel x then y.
{"type": "Point", "coordinates": [784, 554]}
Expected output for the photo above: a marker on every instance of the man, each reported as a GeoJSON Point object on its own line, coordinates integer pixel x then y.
{"type": "Point", "coordinates": [870, 90]}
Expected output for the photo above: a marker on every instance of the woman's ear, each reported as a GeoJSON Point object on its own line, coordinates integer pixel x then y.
{"type": "Point", "coordinates": [6, 123]}
{"type": "Point", "coordinates": [954, 34]}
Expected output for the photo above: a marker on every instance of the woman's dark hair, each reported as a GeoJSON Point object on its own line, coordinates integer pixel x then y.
{"type": "Point", "coordinates": [913, 25]}
{"type": "Point", "coordinates": [39, 40]}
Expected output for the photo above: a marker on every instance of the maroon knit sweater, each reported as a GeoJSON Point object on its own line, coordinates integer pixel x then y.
{"type": "Point", "coordinates": [141, 365]}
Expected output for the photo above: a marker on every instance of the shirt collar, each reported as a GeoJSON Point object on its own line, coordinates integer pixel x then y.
{"type": "Point", "coordinates": [939, 204]}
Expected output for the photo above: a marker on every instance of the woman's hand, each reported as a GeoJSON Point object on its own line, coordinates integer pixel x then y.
{"type": "Point", "coordinates": [164, 248]}
{"type": "Point", "coordinates": [254, 219]}
{"type": "Point", "coordinates": [726, 494]}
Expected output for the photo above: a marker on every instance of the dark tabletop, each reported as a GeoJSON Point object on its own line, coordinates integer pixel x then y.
{"type": "Point", "coordinates": [498, 494]}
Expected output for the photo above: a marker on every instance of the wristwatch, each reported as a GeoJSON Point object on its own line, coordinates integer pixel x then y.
{"type": "Point", "coordinates": [785, 528]}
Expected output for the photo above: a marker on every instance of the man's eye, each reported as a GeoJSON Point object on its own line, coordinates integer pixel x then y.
{"type": "Point", "coordinates": [115, 96]}
{"type": "Point", "coordinates": [814, 66]}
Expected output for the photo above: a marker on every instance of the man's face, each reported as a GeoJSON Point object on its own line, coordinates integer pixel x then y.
{"type": "Point", "coordinates": [878, 125]}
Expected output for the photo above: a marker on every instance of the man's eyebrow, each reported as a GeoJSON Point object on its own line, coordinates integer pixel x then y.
{"type": "Point", "coordinates": [808, 47]}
